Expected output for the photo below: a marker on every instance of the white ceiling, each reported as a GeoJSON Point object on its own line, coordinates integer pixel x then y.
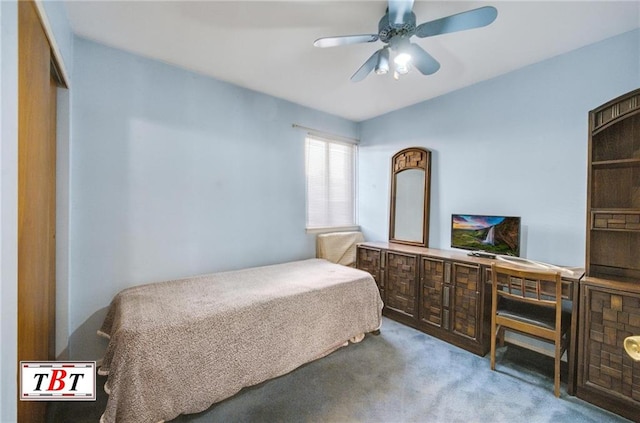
{"type": "Point", "coordinates": [267, 45]}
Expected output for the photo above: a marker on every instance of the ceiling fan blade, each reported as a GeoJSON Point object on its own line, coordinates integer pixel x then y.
{"type": "Point", "coordinates": [366, 68]}
{"type": "Point", "coordinates": [399, 11]}
{"type": "Point", "coordinates": [470, 19]}
{"type": "Point", "coordinates": [344, 40]}
{"type": "Point", "coordinates": [422, 60]}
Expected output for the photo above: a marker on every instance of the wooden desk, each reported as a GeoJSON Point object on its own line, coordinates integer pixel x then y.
{"type": "Point", "coordinates": [447, 294]}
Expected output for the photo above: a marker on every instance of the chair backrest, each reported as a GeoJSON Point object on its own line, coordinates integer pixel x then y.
{"type": "Point", "coordinates": [538, 287]}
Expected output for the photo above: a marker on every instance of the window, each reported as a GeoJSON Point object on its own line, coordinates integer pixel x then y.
{"type": "Point", "coordinates": [331, 188]}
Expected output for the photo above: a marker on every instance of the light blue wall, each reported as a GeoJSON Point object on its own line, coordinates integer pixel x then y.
{"type": "Point", "coordinates": [175, 174]}
{"type": "Point", "coordinates": [8, 209]}
{"type": "Point", "coordinates": [514, 145]}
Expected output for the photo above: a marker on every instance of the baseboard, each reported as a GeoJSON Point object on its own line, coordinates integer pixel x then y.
{"type": "Point", "coordinates": [64, 355]}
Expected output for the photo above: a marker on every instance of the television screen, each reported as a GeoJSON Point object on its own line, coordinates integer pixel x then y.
{"type": "Point", "coordinates": [493, 234]}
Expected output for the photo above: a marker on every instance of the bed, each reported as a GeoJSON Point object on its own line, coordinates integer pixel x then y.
{"type": "Point", "coordinates": [177, 347]}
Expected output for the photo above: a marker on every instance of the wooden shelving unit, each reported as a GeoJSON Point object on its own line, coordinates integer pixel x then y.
{"type": "Point", "coordinates": [613, 198]}
{"type": "Point", "coordinates": [610, 291]}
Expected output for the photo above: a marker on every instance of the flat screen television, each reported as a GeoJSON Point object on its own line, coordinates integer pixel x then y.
{"type": "Point", "coordinates": [493, 234]}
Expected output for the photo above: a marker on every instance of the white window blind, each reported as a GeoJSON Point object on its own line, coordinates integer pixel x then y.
{"type": "Point", "coordinates": [331, 185]}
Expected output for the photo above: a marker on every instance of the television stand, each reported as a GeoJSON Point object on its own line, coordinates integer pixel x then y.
{"type": "Point", "coordinates": [482, 254]}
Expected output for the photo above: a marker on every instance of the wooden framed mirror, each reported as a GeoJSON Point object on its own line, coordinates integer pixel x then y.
{"type": "Point", "coordinates": [410, 193]}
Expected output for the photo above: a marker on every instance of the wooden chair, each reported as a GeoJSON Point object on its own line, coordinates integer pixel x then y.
{"type": "Point", "coordinates": [529, 302]}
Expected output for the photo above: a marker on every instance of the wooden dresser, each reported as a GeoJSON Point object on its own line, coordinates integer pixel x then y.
{"type": "Point", "coordinates": [447, 294]}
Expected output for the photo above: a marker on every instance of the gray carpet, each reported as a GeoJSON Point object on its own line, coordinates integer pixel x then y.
{"type": "Point", "coordinates": [402, 375]}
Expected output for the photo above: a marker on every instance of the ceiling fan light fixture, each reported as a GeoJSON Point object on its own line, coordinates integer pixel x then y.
{"type": "Point", "coordinates": [402, 59]}
{"type": "Point", "coordinates": [382, 66]}
{"type": "Point", "coordinates": [381, 70]}
{"type": "Point", "coordinates": [403, 70]}
{"type": "Point", "coordinates": [403, 63]}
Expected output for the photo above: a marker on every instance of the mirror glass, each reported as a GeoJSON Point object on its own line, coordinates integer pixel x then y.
{"type": "Point", "coordinates": [409, 212]}
{"type": "Point", "coordinates": [410, 192]}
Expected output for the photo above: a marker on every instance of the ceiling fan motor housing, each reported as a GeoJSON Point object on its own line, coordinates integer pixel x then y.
{"type": "Point", "coordinates": [386, 30]}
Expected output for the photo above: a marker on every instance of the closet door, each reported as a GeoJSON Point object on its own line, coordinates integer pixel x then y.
{"type": "Point", "coordinates": [36, 199]}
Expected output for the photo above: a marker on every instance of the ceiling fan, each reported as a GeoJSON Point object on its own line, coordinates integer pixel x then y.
{"type": "Point", "coordinates": [396, 28]}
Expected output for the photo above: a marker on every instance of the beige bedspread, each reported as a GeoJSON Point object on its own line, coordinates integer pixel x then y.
{"type": "Point", "coordinates": [177, 347]}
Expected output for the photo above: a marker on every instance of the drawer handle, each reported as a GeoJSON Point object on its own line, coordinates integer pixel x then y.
{"type": "Point", "coordinates": [447, 273]}
{"type": "Point", "coordinates": [632, 347]}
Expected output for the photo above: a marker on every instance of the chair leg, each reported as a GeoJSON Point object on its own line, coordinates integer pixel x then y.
{"type": "Point", "coordinates": [556, 372]}
{"type": "Point", "coordinates": [493, 346]}
{"type": "Point", "coordinates": [501, 336]}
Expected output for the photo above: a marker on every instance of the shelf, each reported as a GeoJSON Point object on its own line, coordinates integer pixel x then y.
{"type": "Point", "coordinates": [600, 278]}
{"type": "Point", "coordinates": [616, 210]}
{"type": "Point", "coordinates": [616, 163]}
{"type": "Point", "coordinates": [629, 231]}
